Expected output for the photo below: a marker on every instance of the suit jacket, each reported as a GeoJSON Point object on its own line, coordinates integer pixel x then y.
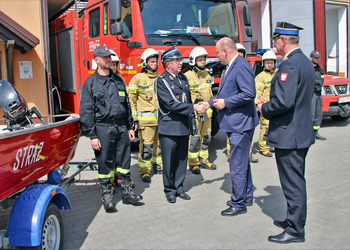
{"type": "Point", "coordinates": [289, 108]}
{"type": "Point", "coordinates": [174, 117]}
{"type": "Point", "coordinates": [237, 88]}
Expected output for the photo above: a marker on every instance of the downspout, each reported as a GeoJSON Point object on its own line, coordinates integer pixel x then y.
{"type": "Point", "coordinates": [10, 44]}
{"type": "Point", "coordinates": [48, 79]}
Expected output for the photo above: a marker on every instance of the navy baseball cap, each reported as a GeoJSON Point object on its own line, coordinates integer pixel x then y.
{"type": "Point", "coordinates": [315, 54]}
{"type": "Point", "coordinates": [102, 51]}
{"type": "Point", "coordinates": [284, 28]}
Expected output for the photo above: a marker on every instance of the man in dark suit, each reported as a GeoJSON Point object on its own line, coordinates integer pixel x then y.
{"type": "Point", "coordinates": [237, 116]}
{"type": "Point", "coordinates": [176, 121]}
{"type": "Point", "coordinates": [290, 130]}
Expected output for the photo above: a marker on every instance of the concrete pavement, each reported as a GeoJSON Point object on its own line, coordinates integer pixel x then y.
{"type": "Point", "coordinates": [197, 224]}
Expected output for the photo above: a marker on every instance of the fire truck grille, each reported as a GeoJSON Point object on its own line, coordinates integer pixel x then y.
{"type": "Point", "coordinates": [342, 89]}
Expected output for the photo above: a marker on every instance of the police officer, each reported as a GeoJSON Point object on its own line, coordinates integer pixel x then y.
{"type": "Point", "coordinates": [144, 108]}
{"type": "Point", "coordinates": [105, 115]}
{"type": "Point", "coordinates": [263, 85]}
{"type": "Point", "coordinates": [200, 85]}
{"type": "Point", "coordinates": [315, 57]}
{"type": "Point", "coordinates": [176, 121]}
{"type": "Point", "coordinates": [290, 128]}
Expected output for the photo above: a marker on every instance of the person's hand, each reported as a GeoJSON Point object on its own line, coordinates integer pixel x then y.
{"type": "Point", "coordinates": [259, 107]}
{"type": "Point", "coordinates": [205, 104]}
{"type": "Point", "coordinates": [131, 134]}
{"type": "Point", "coordinates": [199, 108]}
{"type": "Point", "coordinates": [95, 144]}
{"type": "Point", "coordinates": [219, 103]}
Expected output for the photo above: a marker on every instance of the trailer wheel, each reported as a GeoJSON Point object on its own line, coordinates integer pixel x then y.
{"type": "Point", "coordinates": [52, 229]}
{"type": "Point", "coordinates": [51, 232]}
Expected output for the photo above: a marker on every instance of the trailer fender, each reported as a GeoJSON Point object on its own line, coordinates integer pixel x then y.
{"type": "Point", "coordinates": [27, 215]}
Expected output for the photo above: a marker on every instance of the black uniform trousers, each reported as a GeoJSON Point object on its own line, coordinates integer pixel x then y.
{"type": "Point", "coordinates": [316, 109]}
{"type": "Point", "coordinates": [291, 169]}
{"type": "Point", "coordinates": [115, 150]}
{"type": "Point", "coordinates": [174, 157]}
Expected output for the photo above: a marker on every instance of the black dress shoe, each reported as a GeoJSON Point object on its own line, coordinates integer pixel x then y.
{"type": "Point", "coordinates": [247, 203]}
{"type": "Point", "coordinates": [282, 224]}
{"type": "Point", "coordinates": [184, 196]}
{"type": "Point", "coordinates": [171, 198]}
{"type": "Point", "coordinates": [284, 238]}
{"type": "Point", "coordinates": [232, 211]}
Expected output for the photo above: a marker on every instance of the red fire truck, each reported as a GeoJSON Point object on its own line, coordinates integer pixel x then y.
{"type": "Point", "coordinates": [129, 27]}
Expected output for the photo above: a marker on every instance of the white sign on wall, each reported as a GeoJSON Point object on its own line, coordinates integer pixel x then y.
{"type": "Point", "coordinates": [25, 70]}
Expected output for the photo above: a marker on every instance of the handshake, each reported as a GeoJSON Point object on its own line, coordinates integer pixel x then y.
{"type": "Point", "coordinates": [201, 107]}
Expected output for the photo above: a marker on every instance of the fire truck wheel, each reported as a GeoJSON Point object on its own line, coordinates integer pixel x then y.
{"type": "Point", "coordinates": [339, 118]}
{"type": "Point", "coordinates": [52, 229]}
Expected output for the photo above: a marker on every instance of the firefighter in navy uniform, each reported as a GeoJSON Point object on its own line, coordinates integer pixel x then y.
{"type": "Point", "coordinates": [144, 108]}
{"type": "Point", "coordinates": [176, 121]}
{"type": "Point", "coordinates": [290, 127]}
{"type": "Point", "coordinates": [317, 97]}
{"type": "Point", "coordinates": [105, 115]}
{"type": "Point", "coordinates": [200, 85]}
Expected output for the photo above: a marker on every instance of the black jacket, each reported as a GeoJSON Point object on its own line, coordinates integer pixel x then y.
{"type": "Point", "coordinates": [319, 78]}
{"type": "Point", "coordinates": [175, 117]}
{"type": "Point", "coordinates": [104, 100]}
{"type": "Point", "coordinates": [289, 108]}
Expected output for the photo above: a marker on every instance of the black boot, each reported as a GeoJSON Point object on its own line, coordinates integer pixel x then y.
{"type": "Point", "coordinates": [128, 196]}
{"type": "Point", "coordinates": [106, 192]}
{"type": "Point", "coordinates": [319, 137]}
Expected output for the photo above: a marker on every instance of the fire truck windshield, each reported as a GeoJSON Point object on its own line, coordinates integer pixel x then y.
{"type": "Point", "coordinates": [188, 22]}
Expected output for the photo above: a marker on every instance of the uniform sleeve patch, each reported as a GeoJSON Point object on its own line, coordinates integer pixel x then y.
{"type": "Point", "coordinates": [284, 77]}
{"type": "Point", "coordinates": [121, 93]}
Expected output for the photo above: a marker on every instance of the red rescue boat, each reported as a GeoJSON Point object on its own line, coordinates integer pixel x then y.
{"type": "Point", "coordinates": [30, 153]}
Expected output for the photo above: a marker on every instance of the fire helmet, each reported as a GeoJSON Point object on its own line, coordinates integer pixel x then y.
{"type": "Point", "coordinates": [114, 56]}
{"type": "Point", "coordinates": [241, 48]}
{"type": "Point", "coordinates": [197, 52]}
{"type": "Point", "coordinates": [148, 53]}
{"type": "Point", "coordinates": [269, 55]}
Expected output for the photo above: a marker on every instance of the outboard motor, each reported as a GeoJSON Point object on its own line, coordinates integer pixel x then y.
{"type": "Point", "coordinates": [15, 108]}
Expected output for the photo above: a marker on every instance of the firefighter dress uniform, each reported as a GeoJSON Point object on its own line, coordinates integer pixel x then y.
{"type": "Point", "coordinates": [263, 86]}
{"type": "Point", "coordinates": [144, 108]}
{"type": "Point", "coordinates": [200, 83]}
{"type": "Point", "coordinates": [105, 114]}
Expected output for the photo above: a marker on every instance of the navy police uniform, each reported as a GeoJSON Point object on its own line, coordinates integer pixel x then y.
{"type": "Point", "coordinates": [175, 122]}
{"type": "Point", "coordinates": [290, 130]}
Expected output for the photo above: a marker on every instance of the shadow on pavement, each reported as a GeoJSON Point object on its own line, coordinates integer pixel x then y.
{"type": "Point", "coordinates": [273, 204]}
{"type": "Point", "coordinates": [327, 122]}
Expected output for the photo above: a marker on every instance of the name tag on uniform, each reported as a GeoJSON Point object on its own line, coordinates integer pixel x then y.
{"type": "Point", "coordinates": [121, 93]}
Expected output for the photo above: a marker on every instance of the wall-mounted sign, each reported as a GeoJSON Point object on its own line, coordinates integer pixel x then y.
{"type": "Point", "coordinates": [25, 70]}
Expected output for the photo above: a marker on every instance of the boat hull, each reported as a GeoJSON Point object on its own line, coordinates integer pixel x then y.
{"type": "Point", "coordinates": [29, 154]}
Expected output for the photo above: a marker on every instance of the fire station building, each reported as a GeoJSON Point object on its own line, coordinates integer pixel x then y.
{"type": "Point", "coordinates": [325, 23]}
